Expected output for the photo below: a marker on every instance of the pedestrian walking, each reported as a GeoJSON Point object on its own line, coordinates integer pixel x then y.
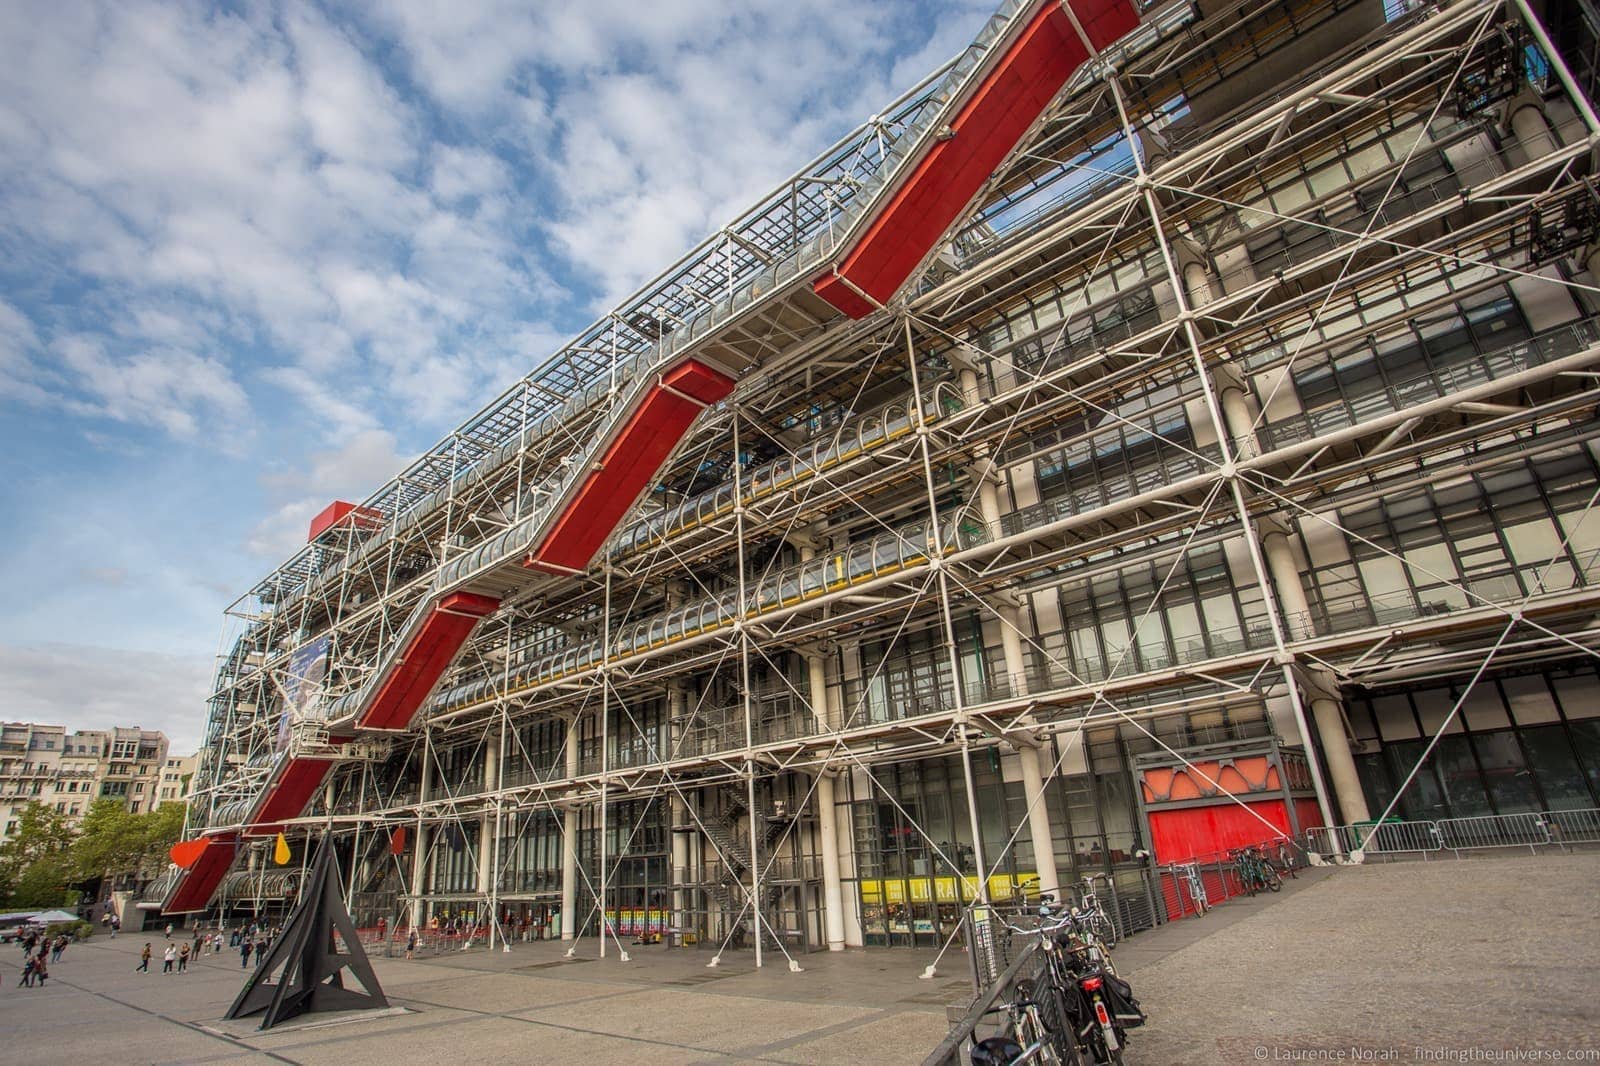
{"type": "Point", "coordinates": [41, 972]}
{"type": "Point", "coordinates": [244, 954]}
{"type": "Point", "coordinates": [168, 957]}
{"type": "Point", "coordinates": [59, 947]}
{"type": "Point", "coordinates": [411, 944]}
{"type": "Point", "coordinates": [169, 930]}
{"type": "Point", "coordinates": [116, 926]}
{"type": "Point", "coordinates": [144, 959]}
{"type": "Point", "coordinates": [183, 959]}
{"type": "Point", "coordinates": [28, 966]}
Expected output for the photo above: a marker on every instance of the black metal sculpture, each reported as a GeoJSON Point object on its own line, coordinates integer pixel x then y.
{"type": "Point", "coordinates": [307, 961]}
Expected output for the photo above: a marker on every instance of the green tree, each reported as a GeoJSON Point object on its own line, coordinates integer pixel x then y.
{"type": "Point", "coordinates": [112, 841]}
{"type": "Point", "coordinates": [163, 828]}
{"type": "Point", "coordinates": [35, 864]}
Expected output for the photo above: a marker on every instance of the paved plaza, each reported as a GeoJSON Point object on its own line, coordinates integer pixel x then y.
{"type": "Point", "coordinates": [1384, 959]}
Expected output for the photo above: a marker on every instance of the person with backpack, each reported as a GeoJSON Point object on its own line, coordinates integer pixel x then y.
{"type": "Point", "coordinates": [144, 959]}
{"type": "Point", "coordinates": [28, 967]}
{"type": "Point", "coordinates": [41, 972]}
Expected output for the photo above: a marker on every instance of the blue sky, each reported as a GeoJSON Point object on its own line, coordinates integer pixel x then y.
{"type": "Point", "coordinates": [254, 257]}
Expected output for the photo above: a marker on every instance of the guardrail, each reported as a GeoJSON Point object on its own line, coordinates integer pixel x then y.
{"type": "Point", "coordinates": [1400, 839]}
{"type": "Point", "coordinates": [1191, 888]}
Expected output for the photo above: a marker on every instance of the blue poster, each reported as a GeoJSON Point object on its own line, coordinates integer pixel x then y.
{"type": "Point", "coordinates": [308, 666]}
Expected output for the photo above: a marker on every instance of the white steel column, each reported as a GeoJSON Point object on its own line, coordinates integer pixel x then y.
{"type": "Point", "coordinates": [826, 801]}
{"type": "Point", "coordinates": [569, 842]}
{"type": "Point", "coordinates": [488, 829]}
{"type": "Point", "coordinates": [419, 852]}
{"type": "Point", "coordinates": [677, 709]}
{"type": "Point", "coordinates": [1323, 691]}
{"type": "Point", "coordinates": [1031, 754]}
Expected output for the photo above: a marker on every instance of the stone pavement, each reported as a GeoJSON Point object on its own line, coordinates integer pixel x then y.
{"type": "Point", "coordinates": [1484, 953]}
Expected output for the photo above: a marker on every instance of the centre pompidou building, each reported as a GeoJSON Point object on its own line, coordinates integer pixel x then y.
{"type": "Point", "coordinates": [1163, 428]}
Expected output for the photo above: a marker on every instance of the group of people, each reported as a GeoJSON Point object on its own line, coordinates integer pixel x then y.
{"type": "Point", "coordinates": [253, 939]}
{"type": "Point", "coordinates": [39, 951]}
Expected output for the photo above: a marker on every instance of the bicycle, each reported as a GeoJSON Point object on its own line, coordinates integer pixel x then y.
{"type": "Point", "coordinates": [1101, 922]}
{"type": "Point", "coordinates": [1075, 1009]}
{"type": "Point", "coordinates": [1286, 857]}
{"type": "Point", "coordinates": [1255, 872]}
{"type": "Point", "coordinates": [1190, 872]}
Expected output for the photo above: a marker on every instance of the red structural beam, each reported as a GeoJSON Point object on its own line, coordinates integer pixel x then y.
{"type": "Point", "coordinates": [288, 793]}
{"type": "Point", "coordinates": [199, 883]}
{"type": "Point", "coordinates": [1000, 111]}
{"type": "Point", "coordinates": [420, 663]}
{"type": "Point", "coordinates": [628, 466]}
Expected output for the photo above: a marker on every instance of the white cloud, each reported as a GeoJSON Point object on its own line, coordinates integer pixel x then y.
{"type": "Point", "coordinates": [364, 461]}
{"type": "Point", "coordinates": [171, 388]}
{"type": "Point", "coordinates": [98, 688]}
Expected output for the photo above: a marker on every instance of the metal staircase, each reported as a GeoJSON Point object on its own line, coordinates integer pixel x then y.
{"type": "Point", "coordinates": [732, 843]}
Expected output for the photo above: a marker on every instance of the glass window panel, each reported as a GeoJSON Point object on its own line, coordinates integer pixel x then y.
{"type": "Point", "coordinates": [1395, 720]}
{"type": "Point", "coordinates": [1504, 771]}
{"type": "Point", "coordinates": [1484, 709]}
{"type": "Point", "coordinates": [1556, 766]}
{"type": "Point", "coordinates": [1529, 700]}
{"type": "Point", "coordinates": [1433, 706]}
{"type": "Point", "coordinates": [1586, 742]}
{"type": "Point", "coordinates": [1458, 772]}
{"type": "Point", "coordinates": [1422, 798]}
{"type": "Point", "coordinates": [1579, 695]}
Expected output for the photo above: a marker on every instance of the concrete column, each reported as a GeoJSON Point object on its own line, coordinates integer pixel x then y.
{"type": "Point", "coordinates": [1286, 579]}
{"type": "Point", "coordinates": [569, 844]}
{"type": "Point", "coordinates": [419, 854]}
{"type": "Point", "coordinates": [677, 709]}
{"type": "Point", "coordinates": [1341, 764]}
{"type": "Point", "coordinates": [486, 826]}
{"type": "Point", "coordinates": [827, 809]}
{"type": "Point", "coordinates": [825, 801]}
{"type": "Point", "coordinates": [1044, 854]}
{"type": "Point", "coordinates": [1325, 708]}
{"type": "Point", "coordinates": [1029, 755]}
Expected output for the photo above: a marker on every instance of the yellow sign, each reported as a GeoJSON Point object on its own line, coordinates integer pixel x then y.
{"type": "Point", "coordinates": [941, 889]}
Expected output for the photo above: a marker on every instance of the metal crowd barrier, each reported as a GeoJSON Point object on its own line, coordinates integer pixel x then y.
{"type": "Point", "coordinates": [1532, 830]}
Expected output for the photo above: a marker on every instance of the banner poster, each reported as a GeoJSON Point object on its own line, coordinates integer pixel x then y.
{"type": "Point", "coordinates": [308, 666]}
{"type": "Point", "coordinates": [638, 921]}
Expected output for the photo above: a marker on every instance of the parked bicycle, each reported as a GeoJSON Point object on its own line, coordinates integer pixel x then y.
{"type": "Point", "coordinates": [1255, 872]}
{"type": "Point", "coordinates": [1090, 905]}
{"type": "Point", "coordinates": [1075, 1009]}
{"type": "Point", "coordinates": [1195, 883]}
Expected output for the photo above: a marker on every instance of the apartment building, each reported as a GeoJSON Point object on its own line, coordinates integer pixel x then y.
{"type": "Point", "coordinates": [69, 770]}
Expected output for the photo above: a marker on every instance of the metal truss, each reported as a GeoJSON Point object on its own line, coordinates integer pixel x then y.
{"type": "Point", "coordinates": [1099, 377]}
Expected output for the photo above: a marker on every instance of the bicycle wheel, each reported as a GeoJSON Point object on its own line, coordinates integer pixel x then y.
{"type": "Point", "coordinates": [1052, 1015]}
{"type": "Point", "coordinates": [1273, 878]}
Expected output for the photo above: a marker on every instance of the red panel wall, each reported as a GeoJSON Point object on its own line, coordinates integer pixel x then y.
{"type": "Point", "coordinates": [1309, 813]}
{"type": "Point", "coordinates": [196, 886]}
{"type": "Point", "coordinates": [633, 459]}
{"type": "Point", "coordinates": [1012, 97]}
{"type": "Point", "coordinates": [1180, 835]}
{"type": "Point", "coordinates": [421, 662]}
{"type": "Point", "coordinates": [289, 792]}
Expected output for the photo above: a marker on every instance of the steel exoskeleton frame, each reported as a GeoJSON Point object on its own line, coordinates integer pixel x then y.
{"type": "Point", "coordinates": [1237, 489]}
